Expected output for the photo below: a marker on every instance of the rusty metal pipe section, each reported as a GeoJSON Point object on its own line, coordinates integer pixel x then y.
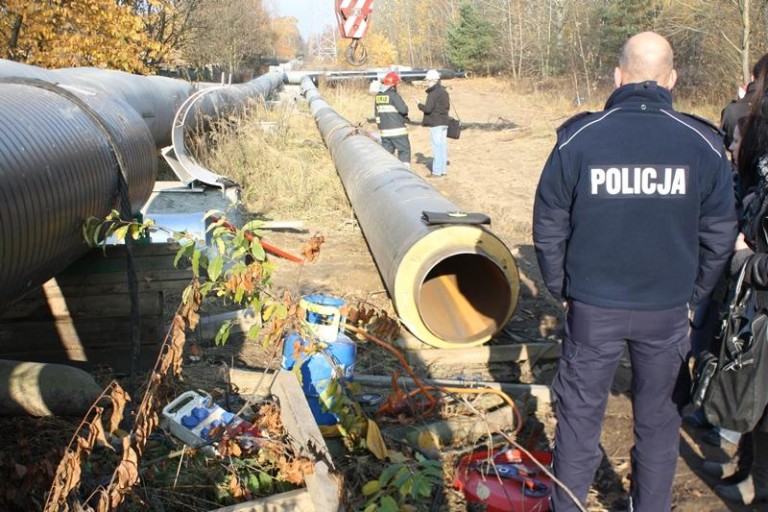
{"type": "Point", "coordinates": [453, 285]}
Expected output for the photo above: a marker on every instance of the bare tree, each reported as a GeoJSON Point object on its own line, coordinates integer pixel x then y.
{"type": "Point", "coordinates": [230, 33]}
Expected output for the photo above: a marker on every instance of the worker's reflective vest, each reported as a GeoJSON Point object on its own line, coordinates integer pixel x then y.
{"type": "Point", "coordinates": [390, 112]}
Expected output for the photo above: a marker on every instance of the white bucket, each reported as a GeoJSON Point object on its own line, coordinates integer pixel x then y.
{"type": "Point", "coordinates": [325, 315]}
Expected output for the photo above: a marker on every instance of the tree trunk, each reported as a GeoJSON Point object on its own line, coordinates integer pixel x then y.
{"type": "Point", "coordinates": [13, 41]}
{"type": "Point", "coordinates": [745, 33]}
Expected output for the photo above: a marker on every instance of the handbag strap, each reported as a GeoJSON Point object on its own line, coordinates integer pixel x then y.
{"type": "Point", "coordinates": [737, 310]}
{"type": "Point", "coordinates": [455, 112]}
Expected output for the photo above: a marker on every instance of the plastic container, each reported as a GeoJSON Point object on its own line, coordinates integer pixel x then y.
{"type": "Point", "coordinates": [321, 415]}
{"type": "Point", "coordinates": [317, 369]}
{"type": "Point", "coordinates": [196, 420]}
{"type": "Point", "coordinates": [325, 315]}
{"type": "Point", "coordinates": [515, 484]}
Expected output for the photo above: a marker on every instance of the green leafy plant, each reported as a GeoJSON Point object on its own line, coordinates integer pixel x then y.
{"type": "Point", "coordinates": [404, 485]}
{"type": "Point", "coordinates": [230, 265]}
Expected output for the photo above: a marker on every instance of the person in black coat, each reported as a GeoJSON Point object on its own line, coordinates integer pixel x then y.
{"type": "Point", "coordinates": [740, 108]}
{"type": "Point", "coordinates": [436, 109]}
{"type": "Point", "coordinates": [752, 255]}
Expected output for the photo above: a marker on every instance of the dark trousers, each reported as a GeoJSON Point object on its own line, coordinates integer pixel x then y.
{"type": "Point", "coordinates": [704, 326]}
{"type": "Point", "coordinates": [594, 342]}
{"type": "Point", "coordinates": [401, 144]}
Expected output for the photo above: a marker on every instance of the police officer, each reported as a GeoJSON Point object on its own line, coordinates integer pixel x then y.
{"type": "Point", "coordinates": [391, 113]}
{"type": "Point", "coordinates": [634, 220]}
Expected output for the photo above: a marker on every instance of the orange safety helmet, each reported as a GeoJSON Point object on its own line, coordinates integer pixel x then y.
{"type": "Point", "coordinates": [391, 79]}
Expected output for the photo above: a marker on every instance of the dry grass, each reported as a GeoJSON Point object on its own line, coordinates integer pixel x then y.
{"type": "Point", "coordinates": [352, 101]}
{"type": "Point", "coordinates": [278, 157]}
{"type": "Point", "coordinates": [285, 170]}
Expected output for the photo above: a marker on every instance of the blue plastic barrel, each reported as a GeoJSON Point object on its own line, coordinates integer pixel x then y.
{"type": "Point", "coordinates": [319, 412]}
{"type": "Point", "coordinates": [317, 370]}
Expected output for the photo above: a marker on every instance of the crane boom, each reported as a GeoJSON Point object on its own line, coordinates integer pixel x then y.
{"type": "Point", "coordinates": [354, 19]}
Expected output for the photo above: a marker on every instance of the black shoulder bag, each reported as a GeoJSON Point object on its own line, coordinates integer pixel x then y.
{"type": "Point", "coordinates": [454, 126]}
{"type": "Point", "coordinates": [732, 387]}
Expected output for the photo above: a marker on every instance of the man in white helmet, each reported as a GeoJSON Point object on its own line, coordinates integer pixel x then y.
{"type": "Point", "coordinates": [436, 117]}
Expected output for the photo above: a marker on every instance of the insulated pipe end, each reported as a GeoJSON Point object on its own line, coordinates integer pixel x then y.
{"type": "Point", "coordinates": [456, 287]}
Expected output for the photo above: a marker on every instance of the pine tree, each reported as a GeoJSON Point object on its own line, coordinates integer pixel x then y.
{"type": "Point", "coordinates": [470, 40]}
{"type": "Point", "coordinates": [618, 20]}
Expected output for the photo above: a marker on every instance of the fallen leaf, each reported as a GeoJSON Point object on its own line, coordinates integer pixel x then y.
{"type": "Point", "coordinates": [374, 441]}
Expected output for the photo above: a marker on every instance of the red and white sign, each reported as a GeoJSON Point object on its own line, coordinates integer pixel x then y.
{"type": "Point", "coordinates": [353, 17]}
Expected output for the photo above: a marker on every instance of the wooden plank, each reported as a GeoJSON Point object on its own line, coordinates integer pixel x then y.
{"type": "Point", "coordinates": [464, 430]}
{"type": "Point", "coordinates": [118, 359]}
{"type": "Point", "coordinates": [81, 287]}
{"type": "Point", "coordinates": [139, 251]}
{"type": "Point", "coordinates": [540, 393]}
{"type": "Point", "coordinates": [488, 353]}
{"type": "Point", "coordinates": [62, 304]}
{"type": "Point", "coordinates": [113, 260]}
{"type": "Point", "coordinates": [299, 424]}
{"type": "Point", "coordinates": [83, 314]}
{"type": "Point", "coordinates": [291, 501]}
{"type": "Point", "coordinates": [120, 277]}
{"type": "Point", "coordinates": [71, 333]}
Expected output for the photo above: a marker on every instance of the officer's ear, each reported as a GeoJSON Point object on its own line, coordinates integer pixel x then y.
{"type": "Point", "coordinates": [672, 80]}
{"type": "Point", "coordinates": [617, 76]}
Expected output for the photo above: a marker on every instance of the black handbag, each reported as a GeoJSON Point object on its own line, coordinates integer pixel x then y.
{"type": "Point", "coordinates": [454, 125]}
{"type": "Point", "coordinates": [732, 387]}
{"type": "Point", "coordinates": [454, 128]}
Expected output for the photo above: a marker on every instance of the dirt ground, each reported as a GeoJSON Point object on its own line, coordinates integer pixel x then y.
{"type": "Point", "coordinates": [494, 168]}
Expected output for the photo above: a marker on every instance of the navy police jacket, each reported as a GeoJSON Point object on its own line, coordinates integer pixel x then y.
{"type": "Point", "coordinates": [634, 208]}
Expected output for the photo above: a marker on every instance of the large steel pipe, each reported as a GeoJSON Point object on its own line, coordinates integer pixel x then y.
{"type": "Point", "coordinates": [154, 98]}
{"type": "Point", "coordinates": [61, 155]}
{"type": "Point", "coordinates": [65, 135]}
{"type": "Point", "coordinates": [451, 284]}
{"type": "Point", "coordinates": [233, 99]}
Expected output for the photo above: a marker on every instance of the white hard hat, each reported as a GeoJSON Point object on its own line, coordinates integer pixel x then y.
{"type": "Point", "coordinates": [432, 75]}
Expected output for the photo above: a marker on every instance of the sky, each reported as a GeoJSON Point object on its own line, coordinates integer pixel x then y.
{"type": "Point", "coordinates": [313, 15]}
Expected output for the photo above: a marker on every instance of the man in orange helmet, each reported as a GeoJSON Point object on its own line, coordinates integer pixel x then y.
{"type": "Point", "coordinates": [391, 112]}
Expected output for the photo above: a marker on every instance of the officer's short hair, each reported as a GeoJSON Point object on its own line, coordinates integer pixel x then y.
{"type": "Point", "coordinates": [637, 64]}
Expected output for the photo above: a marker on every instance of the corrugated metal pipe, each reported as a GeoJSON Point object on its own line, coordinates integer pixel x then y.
{"type": "Point", "coordinates": [61, 155]}
{"type": "Point", "coordinates": [233, 99]}
{"type": "Point", "coordinates": [452, 285]}
{"type": "Point", "coordinates": [65, 137]}
{"type": "Point", "coordinates": [154, 98]}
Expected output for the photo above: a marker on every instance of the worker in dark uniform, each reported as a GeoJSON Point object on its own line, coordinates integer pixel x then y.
{"type": "Point", "coordinates": [633, 222]}
{"type": "Point", "coordinates": [391, 112]}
